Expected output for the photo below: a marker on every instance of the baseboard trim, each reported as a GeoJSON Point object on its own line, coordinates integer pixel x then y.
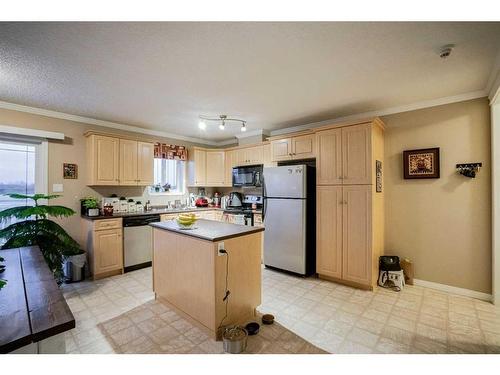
{"type": "Point", "coordinates": [454, 290]}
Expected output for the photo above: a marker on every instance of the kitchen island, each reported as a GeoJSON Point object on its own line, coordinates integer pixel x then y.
{"type": "Point", "coordinates": [190, 273]}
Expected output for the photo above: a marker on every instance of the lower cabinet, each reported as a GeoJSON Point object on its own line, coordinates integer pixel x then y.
{"type": "Point", "coordinates": [344, 233]}
{"type": "Point", "coordinates": [104, 245]}
{"type": "Point", "coordinates": [108, 250]}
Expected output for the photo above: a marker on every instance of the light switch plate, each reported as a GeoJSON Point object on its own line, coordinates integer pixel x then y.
{"type": "Point", "coordinates": [57, 188]}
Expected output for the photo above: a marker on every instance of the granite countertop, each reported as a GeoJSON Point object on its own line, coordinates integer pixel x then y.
{"type": "Point", "coordinates": [157, 211]}
{"type": "Point", "coordinates": [209, 230]}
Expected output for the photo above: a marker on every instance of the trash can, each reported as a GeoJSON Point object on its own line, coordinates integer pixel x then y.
{"type": "Point", "coordinates": [74, 268]}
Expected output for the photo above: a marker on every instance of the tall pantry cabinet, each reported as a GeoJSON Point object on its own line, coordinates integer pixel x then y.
{"type": "Point", "coordinates": [350, 216]}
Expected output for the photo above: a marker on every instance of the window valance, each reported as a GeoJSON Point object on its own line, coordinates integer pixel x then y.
{"type": "Point", "coordinates": [165, 151]}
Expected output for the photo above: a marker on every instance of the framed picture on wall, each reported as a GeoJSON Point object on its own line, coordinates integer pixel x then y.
{"type": "Point", "coordinates": [70, 171]}
{"type": "Point", "coordinates": [423, 163]}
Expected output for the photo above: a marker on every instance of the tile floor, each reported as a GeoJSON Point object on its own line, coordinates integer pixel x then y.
{"type": "Point", "coordinates": [333, 317]}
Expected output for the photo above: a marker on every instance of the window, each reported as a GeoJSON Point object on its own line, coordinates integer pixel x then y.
{"type": "Point", "coordinates": [18, 170]}
{"type": "Point", "coordinates": [168, 172]}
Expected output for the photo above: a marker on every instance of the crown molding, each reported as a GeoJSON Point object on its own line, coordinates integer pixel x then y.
{"type": "Point", "coordinates": [253, 133]}
{"type": "Point", "coordinates": [107, 124]}
{"type": "Point", "coordinates": [359, 116]}
{"type": "Point", "coordinates": [384, 112]}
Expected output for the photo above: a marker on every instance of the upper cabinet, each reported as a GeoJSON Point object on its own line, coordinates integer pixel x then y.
{"type": "Point", "coordinates": [103, 160]}
{"type": "Point", "coordinates": [215, 171]}
{"type": "Point", "coordinates": [281, 149]}
{"type": "Point", "coordinates": [329, 160]}
{"type": "Point", "coordinates": [207, 168]}
{"type": "Point", "coordinates": [248, 156]}
{"type": "Point", "coordinates": [357, 155]}
{"type": "Point", "coordinates": [114, 161]}
{"type": "Point", "coordinates": [145, 160]}
{"type": "Point", "coordinates": [128, 162]}
{"type": "Point", "coordinates": [294, 148]}
{"type": "Point", "coordinates": [344, 155]}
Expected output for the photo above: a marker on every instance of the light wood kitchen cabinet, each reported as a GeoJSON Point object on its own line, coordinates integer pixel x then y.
{"type": "Point", "coordinates": [103, 241]}
{"type": "Point", "coordinates": [357, 233]}
{"type": "Point", "coordinates": [350, 210]}
{"type": "Point", "coordinates": [294, 148]}
{"type": "Point", "coordinates": [303, 147]}
{"type": "Point", "coordinates": [145, 163]}
{"type": "Point", "coordinates": [228, 167]}
{"type": "Point", "coordinates": [215, 168]}
{"type": "Point", "coordinates": [329, 160]}
{"type": "Point", "coordinates": [207, 167]}
{"type": "Point", "coordinates": [198, 164]}
{"type": "Point", "coordinates": [128, 162]}
{"type": "Point", "coordinates": [103, 160]}
{"type": "Point", "coordinates": [281, 149]}
{"type": "Point", "coordinates": [329, 202]}
{"type": "Point", "coordinates": [118, 161]}
{"type": "Point", "coordinates": [357, 154]}
{"type": "Point", "coordinates": [266, 155]}
{"type": "Point", "coordinates": [248, 156]}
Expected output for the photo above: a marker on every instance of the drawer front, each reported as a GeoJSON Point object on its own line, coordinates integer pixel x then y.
{"type": "Point", "coordinates": [107, 224]}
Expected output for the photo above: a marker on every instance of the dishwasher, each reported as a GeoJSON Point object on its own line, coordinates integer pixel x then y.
{"type": "Point", "coordinates": [138, 241]}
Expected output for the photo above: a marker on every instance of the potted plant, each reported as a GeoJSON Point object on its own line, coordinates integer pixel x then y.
{"type": "Point", "coordinates": [166, 187]}
{"type": "Point", "coordinates": [34, 228]}
{"type": "Point", "coordinates": [91, 204]}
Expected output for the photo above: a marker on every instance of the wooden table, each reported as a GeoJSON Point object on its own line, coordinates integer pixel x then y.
{"type": "Point", "coordinates": [32, 307]}
{"type": "Point", "coordinates": [189, 273]}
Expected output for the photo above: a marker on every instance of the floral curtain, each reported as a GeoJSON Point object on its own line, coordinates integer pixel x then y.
{"type": "Point", "coordinates": [165, 151]}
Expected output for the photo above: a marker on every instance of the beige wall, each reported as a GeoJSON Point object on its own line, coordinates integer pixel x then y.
{"type": "Point", "coordinates": [72, 150]}
{"type": "Point", "coordinates": [443, 225]}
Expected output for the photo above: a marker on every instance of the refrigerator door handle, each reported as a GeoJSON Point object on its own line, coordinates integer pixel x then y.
{"type": "Point", "coordinates": [264, 198]}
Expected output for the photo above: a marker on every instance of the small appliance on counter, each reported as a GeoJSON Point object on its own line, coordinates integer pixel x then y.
{"type": "Point", "coordinates": [201, 202]}
{"type": "Point", "coordinates": [224, 201]}
{"type": "Point", "coordinates": [216, 199]}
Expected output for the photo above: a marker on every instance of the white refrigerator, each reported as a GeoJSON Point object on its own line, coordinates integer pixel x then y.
{"type": "Point", "coordinates": [289, 218]}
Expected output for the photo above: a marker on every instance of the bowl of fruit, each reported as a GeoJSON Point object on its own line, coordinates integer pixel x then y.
{"type": "Point", "coordinates": [186, 220]}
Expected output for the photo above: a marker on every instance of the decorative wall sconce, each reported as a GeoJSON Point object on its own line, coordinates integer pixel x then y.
{"type": "Point", "coordinates": [469, 169]}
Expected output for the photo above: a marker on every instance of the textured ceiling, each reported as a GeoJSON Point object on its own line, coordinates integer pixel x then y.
{"type": "Point", "coordinates": [161, 76]}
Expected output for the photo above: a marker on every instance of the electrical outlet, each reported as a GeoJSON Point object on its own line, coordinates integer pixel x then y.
{"type": "Point", "coordinates": [220, 246]}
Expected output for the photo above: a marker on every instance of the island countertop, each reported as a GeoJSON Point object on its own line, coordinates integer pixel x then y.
{"type": "Point", "coordinates": [209, 230]}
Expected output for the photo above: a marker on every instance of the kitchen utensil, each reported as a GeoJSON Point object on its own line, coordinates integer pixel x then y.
{"type": "Point", "coordinates": [267, 319]}
{"type": "Point", "coordinates": [235, 340]}
{"type": "Point", "coordinates": [252, 328]}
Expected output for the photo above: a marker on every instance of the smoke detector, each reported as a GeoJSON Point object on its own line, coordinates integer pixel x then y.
{"type": "Point", "coordinates": [445, 51]}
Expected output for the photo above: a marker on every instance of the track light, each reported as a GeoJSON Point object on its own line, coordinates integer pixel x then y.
{"type": "Point", "coordinates": [222, 122]}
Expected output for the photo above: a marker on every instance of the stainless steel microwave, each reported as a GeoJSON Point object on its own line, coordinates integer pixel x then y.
{"type": "Point", "coordinates": [250, 176]}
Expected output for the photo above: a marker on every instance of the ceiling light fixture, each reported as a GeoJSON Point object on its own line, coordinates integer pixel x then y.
{"type": "Point", "coordinates": [222, 119]}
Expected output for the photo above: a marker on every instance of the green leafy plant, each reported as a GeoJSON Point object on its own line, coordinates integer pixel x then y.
{"type": "Point", "coordinates": [90, 203]}
{"type": "Point", "coordinates": [33, 227]}
{"type": "Point", "coordinates": [2, 268]}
